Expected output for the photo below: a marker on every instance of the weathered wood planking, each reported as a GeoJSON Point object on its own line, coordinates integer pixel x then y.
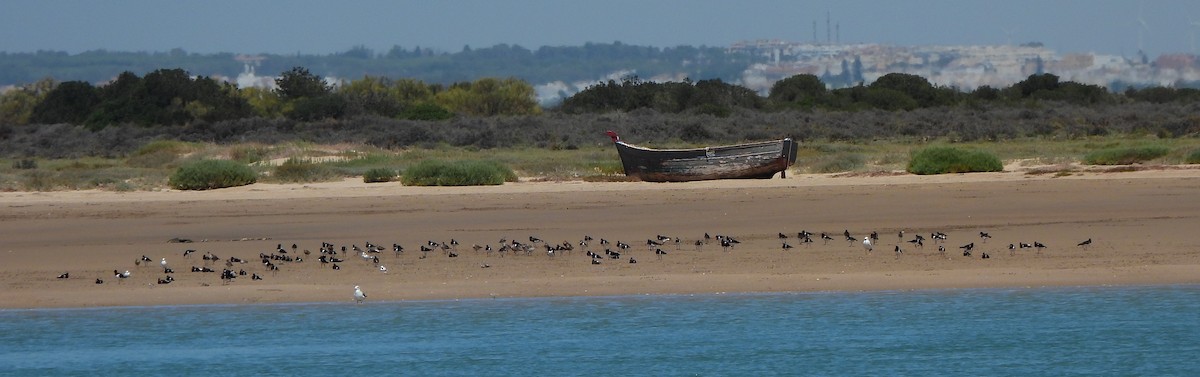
{"type": "Point", "coordinates": [759, 160]}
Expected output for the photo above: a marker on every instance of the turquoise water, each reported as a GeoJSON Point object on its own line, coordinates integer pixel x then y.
{"type": "Point", "coordinates": [1050, 331]}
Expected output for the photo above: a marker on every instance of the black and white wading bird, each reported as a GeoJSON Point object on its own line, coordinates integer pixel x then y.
{"type": "Point", "coordinates": [1085, 243]}
{"type": "Point", "coordinates": [121, 276]}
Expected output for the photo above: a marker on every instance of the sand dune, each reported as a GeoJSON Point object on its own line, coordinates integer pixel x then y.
{"type": "Point", "coordinates": [1141, 224]}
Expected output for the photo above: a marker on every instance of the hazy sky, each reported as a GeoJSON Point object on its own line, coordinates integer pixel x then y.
{"type": "Point", "coordinates": [319, 27]}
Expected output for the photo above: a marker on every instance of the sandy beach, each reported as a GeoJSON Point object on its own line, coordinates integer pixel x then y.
{"type": "Point", "coordinates": [1141, 224]}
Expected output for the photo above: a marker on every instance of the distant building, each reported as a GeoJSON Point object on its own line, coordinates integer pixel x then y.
{"type": "Point", "coordinates": [962, 67]}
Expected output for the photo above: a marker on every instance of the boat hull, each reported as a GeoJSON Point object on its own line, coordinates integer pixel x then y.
{"type": "Point", "coordinates": [760, 160]}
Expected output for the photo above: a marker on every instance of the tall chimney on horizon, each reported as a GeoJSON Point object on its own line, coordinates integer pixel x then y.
{"type": "Point", "coordinates": [828, 31]}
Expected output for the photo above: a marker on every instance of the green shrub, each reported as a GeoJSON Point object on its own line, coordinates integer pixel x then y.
{"type": "Point", "coordinates": [1193, 158]}
{"type": "Point", "coordinates": [1125, 156]}
{"type": "Point", "coordinates": [379, 175]}
{"type": "Point", "coordinates": [211, 174]}
{"type": "Point", "coordinates": [297, 170]}
{"type": "Point", "coordinates": [458, 173]}
{"type": "Point", "coordinates": [941, 160]}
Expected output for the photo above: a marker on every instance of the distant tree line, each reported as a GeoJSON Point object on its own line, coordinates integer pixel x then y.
{"type": "Point", "coordinates": [172, 97]}
{"type": "Point", "coordinates": [707, 96]}
{"type": "Point", "coordinates": [891, 92]}
{"type": "Point", "coordinates": [167, 96]}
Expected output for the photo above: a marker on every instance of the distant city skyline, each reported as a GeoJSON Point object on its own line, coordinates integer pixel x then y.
{"type": "Point", "coordinates": [322, 27]}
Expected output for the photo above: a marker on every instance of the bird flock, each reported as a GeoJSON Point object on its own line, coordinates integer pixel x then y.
{"type": "Point", "coordinates": [593, 250]}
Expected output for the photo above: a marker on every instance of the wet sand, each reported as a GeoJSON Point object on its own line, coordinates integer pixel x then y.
{"type": "Point", "coordinates": [1142, 224]}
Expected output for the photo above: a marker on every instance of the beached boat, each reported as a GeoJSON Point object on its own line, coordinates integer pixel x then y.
{"type": "Point", "coordinates": [759, 160]}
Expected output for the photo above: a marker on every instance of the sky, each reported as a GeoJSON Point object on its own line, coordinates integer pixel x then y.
{"type": "Point", "coordinates": [323, 27]}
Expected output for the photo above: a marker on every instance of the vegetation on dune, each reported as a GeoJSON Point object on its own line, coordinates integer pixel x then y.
{"type": "Point", "coordinates": [76, 119]}
{"type": "Point", "coordinates": [376, 175]}
{"type": "Point", "coordinates": [588, 162]}
{"type": "Point", "coordinates": [1125, 155]}
{"type": "Point", "coordinates": [160, 154]}
{"type": "Point", "coordinates": [1193, 158]}
{"type": "Point", "coordinates": [211, 174]}
{"type": "Point", "coordinates": [143, 128]}
{"type": "Point", "coordinates": [24, 164]}
{"type": "Point", "coordinates": [945, 159]}
{"type": "Point", "coordinates": [300, 170]}
{"type": "Point", "coordinates": [458, 173]}
{"type": "Point", "coordinates": [249, 154]}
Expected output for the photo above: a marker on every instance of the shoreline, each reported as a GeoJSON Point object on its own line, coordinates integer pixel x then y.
{"type": "Point", "coordinates": [614, 296]}
{"type": "Point", "coordinates": [1140, 221]}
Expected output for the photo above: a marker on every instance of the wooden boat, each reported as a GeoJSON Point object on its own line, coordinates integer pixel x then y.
{"type": "Point", "coordinates": [760, 160]}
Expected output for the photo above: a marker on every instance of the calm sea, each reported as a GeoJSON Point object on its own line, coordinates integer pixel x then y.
{"type": "Point", "coordinates": [1147, 331]}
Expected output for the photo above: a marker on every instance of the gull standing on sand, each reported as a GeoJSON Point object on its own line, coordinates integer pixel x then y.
{"type": "Point", "coordinates": [359, 296]}
{"type": "Point", "coordinates": [163, 263]}
{"type": "Point", "coordinates": [867, 244]}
